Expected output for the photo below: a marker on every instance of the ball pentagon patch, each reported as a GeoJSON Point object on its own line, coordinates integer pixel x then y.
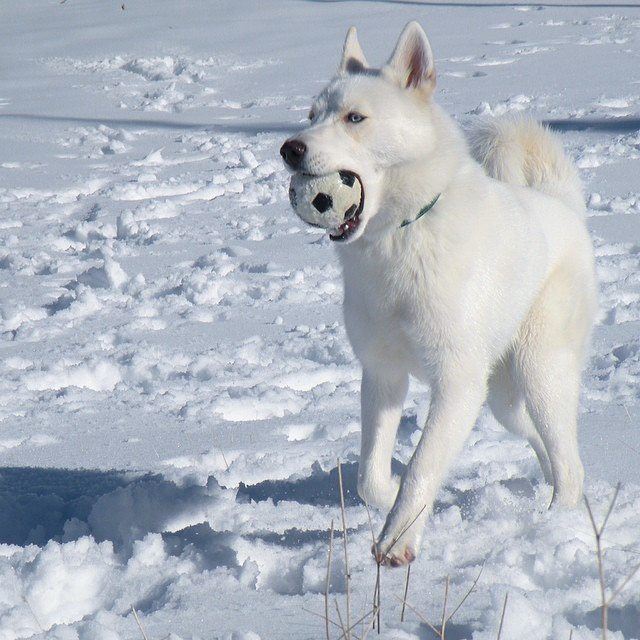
{"type": "Point", "coordinates": [347, 178]}
{"type": "Point", "coordinates": [325, 201]}
{"type": "Point", "coordinates": [322, 202]}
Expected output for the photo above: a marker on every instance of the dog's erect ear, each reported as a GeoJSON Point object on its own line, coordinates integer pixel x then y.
{"type": "Point", "coordinates": [353, 60]}
{"type": "Point", "coordinates": [412, 59]}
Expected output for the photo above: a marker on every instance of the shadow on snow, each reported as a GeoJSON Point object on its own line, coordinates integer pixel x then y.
{"type": "Point", "coordinates": [613, 125]}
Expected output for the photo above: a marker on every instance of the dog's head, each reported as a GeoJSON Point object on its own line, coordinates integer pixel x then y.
{"type": "Point", "coordinates": [369, 120]}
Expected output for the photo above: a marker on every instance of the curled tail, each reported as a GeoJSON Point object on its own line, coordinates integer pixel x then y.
{"type": "Point", "coordinates": [524, 152]}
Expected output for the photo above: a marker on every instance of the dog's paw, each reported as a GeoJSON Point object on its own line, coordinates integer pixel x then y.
{"type": "Point", "coordinates": [398, 545]}
{"type": "Point", "coordinates": [396, 557]}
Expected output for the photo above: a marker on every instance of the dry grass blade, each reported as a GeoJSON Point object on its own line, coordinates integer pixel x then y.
{"type": "Point", "coordinates": [344, 631]}
{"type": "Point", "coordinates": [597, 532]}
{"type": "Point", "coordinates": [347, 575]}
{"type": "Point", "coordinates": [603, 595]}
{"type": "Point", "coordinates": [376, 588]}
{"type": "Point", "coordinates": [594, 526]}
{"type": "Point", "coordinates": [369, 626]}
{"type": "Point", "coordinates": [443, 624]}
{"type": "Point", "coordinates": [504, 610]}
{"type": "Point", "coordinates": [610, 509]}
{"type": "Point", "coordinates": [376, 596]}
{"type": "Point", "coordinates": [445, 618]}
{"type": "Point", "coordinates": [135, 615]}
{"type": "Point", "coordinates": [406, 592]}
{"type": "Point", "coordinates": [626, 549]}
{"type": "Point", "coordinates": [373, 535]}
{"type": "Point", "coordinates": [326, 583]}
{"type": "Point", "coordinates": [625, 582]}
{"type": "Point", "coordinates": [421, 617]}
{"type": "Point", "coordinates": [319, 615]}
{"type": "Point", "coordinates": [355, 624]}
{"type": "Point", "coordinates": [33, 613]}
{"type": "Point", "coordinates": [469, 592]}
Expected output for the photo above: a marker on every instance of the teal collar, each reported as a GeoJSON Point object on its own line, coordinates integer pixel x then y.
{"type": "Point", "coordinates": [425, 209]}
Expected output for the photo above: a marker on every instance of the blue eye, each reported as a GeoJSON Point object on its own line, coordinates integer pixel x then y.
{"type": "Point", "coordinates": [355, 118]}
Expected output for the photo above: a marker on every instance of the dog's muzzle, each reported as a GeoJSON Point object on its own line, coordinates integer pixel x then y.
{"type": "Point", "coordinates": [292, 152]}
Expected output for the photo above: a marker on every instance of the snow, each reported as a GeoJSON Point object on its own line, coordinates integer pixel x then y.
{"type": "Point", "coordinates": [176, 385]}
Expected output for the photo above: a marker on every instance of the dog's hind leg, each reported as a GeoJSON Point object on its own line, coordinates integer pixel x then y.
{"type": "Point", "coordinates": [552, 398]}
{"type": "Point", "coordinates": [549, 358]}
{"type": "Point", "coordinates": [507, 402]}
{"type": "Point", "coordinates": [382, 397]}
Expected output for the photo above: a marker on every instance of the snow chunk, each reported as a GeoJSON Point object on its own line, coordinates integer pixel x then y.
{"type": "Point", "coordinates": [101, 376]}
{"type": "Point", "coordinates": [108, 276]}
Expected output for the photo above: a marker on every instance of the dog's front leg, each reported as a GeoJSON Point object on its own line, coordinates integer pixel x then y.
{"type": "Point", "coordinates": [382, 396]}
{"type": "Point", "coordinates": [455, 405]}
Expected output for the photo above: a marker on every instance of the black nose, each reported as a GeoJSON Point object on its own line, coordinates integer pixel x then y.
{"type": "Point", "coordinates": [292, 152]}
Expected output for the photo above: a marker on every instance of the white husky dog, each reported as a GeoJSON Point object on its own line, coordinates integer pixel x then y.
{"type": "Point", "coordinates": [490, 295]}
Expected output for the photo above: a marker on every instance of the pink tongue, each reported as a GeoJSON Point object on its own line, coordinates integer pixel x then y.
{"type": "Point", "coordinates": [348, 225]}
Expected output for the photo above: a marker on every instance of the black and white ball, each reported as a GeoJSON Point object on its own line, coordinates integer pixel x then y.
{"type": "Point", "coordinates": [326, 201]}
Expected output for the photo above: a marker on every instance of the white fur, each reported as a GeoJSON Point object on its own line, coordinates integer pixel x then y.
{"type": "Point", "coordinates": [489, 297]}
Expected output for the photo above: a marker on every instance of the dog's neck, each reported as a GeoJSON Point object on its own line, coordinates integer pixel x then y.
{"type": "Point", "coordinates": [406, 188]}
{"type": "Point", "coordinates": [410, 186]}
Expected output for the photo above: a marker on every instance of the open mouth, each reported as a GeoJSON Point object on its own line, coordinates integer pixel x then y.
{"type": "Point", "coordinates": [352, 216]}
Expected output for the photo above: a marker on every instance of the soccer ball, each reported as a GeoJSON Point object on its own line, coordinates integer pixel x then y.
{"type": "Point", "coordinates": [326, 201]}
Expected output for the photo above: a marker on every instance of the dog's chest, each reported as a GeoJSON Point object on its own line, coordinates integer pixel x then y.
{"type": "Point", "coordinates": [388, 312]}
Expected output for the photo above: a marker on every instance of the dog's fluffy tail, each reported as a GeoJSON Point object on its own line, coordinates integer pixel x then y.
{"type": "Point", "coordinates": [522, 151]}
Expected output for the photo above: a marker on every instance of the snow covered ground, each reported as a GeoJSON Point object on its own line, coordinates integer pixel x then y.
{"type": "Point", "coordinates": [176, 385]}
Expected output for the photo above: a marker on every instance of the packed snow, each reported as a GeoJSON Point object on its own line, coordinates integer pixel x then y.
{"type": "Point", "coordinates": [177, 386]}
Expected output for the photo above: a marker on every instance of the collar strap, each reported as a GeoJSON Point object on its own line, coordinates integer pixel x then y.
{"type": "Point", "coordinates": [425, 209]}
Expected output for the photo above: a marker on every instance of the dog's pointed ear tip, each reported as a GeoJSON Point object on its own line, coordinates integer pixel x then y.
{"type": "Point", "coordinates": [353, 58]}
{"type": "Point", "coordinates": [352, 35]}
{"type": "Point", "coordinates": [414, 28]}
